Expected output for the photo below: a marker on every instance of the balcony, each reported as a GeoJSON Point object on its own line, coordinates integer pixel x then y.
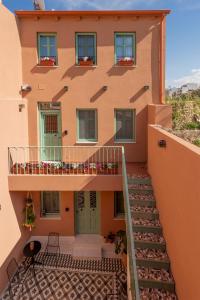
{"type": "Point", "coordinates": [46, 168]}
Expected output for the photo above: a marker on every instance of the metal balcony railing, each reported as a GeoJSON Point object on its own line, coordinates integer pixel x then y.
{"type": "Point", "coordinates": [69, 160]}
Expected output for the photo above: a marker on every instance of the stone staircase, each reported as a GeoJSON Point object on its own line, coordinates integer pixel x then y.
{"type": "Point", "coordinates": [153, 265]}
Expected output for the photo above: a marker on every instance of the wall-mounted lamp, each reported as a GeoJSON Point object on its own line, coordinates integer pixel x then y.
{"type": "Point", "coordinates": [105, 87]}
{"type": "Point", "coordinates": [162, 143]}
{"type": "Point", "coordinates": [146, 87]}
{"type": "Point", "coordinates": [26, 88]}
{"type": "Point", "coordinates": [65, 132]}
{"type": "Point", "coordinates": [66, 88]}
{"type": "Point", "coordinates": [21, 106]}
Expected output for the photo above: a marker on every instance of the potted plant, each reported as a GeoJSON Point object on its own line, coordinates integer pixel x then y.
{"type": "Point", "coordinates": [47, 61]}
{"type": "Point", "coordinates": [110, 238]}
{"type": "Point", "coordinates": [29, 213]}
{"type": "Point", "coordinates": [126, 61]}
{"type": "Point", "coordinates": [121, 245]}
{"type": "Point", "coordinates": [85, 61]}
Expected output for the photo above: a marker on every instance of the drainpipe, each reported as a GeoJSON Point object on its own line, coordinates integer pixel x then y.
{"type": "Point", "coordinates": [162, 60]}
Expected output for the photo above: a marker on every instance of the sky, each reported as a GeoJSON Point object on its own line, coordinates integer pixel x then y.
{"type": "Point", "coordinates": [183, 30]}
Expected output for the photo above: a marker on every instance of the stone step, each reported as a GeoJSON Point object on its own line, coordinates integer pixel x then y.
{"type": "Point", "coordinates": [150, 229]}
{"type": "Point", "coordinates": [153, 263]}
{"type": "Point", "coordinates": [151, 245]}
{"type": "Point", "coordinates": [139, 191]}
{"type": "Point", "coordinates": [160, 294]}
{"type": "Point", "coordinates": [165, 285]}
{"type": "Point", "coordinates": [148, 203]}
{"type": "Point", "coordinates": [135, 180]}
{"type": "Point", "coordinates": [145, 215]}
{"type": "Point", "coordinates": [140, 187]}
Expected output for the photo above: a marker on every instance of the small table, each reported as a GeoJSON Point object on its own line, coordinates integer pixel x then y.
{"type": "Point", "coordinates": [31, 249]}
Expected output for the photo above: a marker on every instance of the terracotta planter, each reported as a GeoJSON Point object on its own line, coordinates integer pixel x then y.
{"type": "Point", "coordinates": [85, 63]}
{"type": "Point", "coordinates": [58, 171]}
{"type": "Point", "coordinates": [125, 62]}
{"type": "Point", "coordinates": [47, 63]}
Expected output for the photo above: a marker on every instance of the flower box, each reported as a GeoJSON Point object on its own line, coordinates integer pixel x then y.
{"type": "Point", "coordinates": [125, 62]}
{"type": "Point", "coordinates": [88, 62]}
{"type": "Point", "coordinates": [47, 62]}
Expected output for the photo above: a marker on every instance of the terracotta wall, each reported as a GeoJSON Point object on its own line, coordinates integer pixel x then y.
{"type": "Point", "coordinates": [160, 114]}
{"type": "Point", "coordinates": [65, 224]}
{"type": "Point", "coordinates": [175, 172]}
{"type": "Point", "coordinates": [13, 128]}
{"type": "Point", "coordinates": [11, 57]}
{"type": "Point", "coordinates": [125, 85]}
{"type": "Point", "coordinates": [108, 220]}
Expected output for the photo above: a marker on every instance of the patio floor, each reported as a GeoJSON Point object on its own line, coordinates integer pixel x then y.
{"type": "Point", "coordinates": [68, 278]}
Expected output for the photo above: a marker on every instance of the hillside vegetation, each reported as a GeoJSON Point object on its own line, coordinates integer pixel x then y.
{"type": "Point", "coordinates": [186, 117]}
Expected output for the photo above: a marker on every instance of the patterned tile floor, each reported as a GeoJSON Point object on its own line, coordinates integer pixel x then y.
{"type": "Point", "coordinates": [69, 279]}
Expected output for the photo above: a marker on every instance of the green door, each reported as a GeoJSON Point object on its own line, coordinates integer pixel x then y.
{"type": "Point", "coordinates": [87, 213]}
{"type": "Point", "coordinates": [50, 135]}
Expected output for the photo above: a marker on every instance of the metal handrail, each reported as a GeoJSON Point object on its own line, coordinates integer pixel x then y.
{"type": "Point", "coordinates": [129, 232]}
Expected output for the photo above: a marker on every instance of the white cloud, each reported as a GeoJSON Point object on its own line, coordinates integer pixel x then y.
{"type": "Point", "coordinates": [193, 77]}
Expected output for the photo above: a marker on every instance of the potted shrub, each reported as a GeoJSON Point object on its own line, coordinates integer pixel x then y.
{"type": "Point", "coordinates": [47, 61]}
{"type": "Point", "coordinates": [110, 238]}
{"type": "Point", "coordinates": [121, 245]}
{"type": "Point", "coordinates": [92, 168]}
{"type": "Point", "coordinates": [126, 61]}
{"type": "Point", "coordinates": [86, 61]}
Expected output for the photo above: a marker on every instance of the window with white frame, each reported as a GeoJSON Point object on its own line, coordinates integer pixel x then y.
{"type": "Point", "coordinates": [87, 125]}
{"type": "Point", "coordinates": [125, 125]}
{"type": "Point", "coordinates": [50, 204]}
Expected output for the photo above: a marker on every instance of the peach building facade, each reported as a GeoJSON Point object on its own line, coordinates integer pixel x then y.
{"type": "Point", "coordinates": [114, 97]}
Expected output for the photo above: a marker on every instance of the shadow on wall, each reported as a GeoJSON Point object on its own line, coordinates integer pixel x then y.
{"type": "Point", "coordinates": [17, 199]}
{"type": "Point", "coordinates": [42, 70]}
{"type": "Point", "coordinates": [119, 70]}
{"type": "Point", "coordinates": [139, 93]}
{"type": "Point", "coordinates": [75, 71]}
{"type": "Point", "coordinates": [133, 151]}
{"type": "Point", "coordinates": [155, 56]}
{"type": "Point", "coordinates": [61, 93]}
{"type": "Point", "coordinates": [98, 94]}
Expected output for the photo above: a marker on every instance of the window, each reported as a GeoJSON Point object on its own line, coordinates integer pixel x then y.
{"type": "Point", "coordinates": [125, 48]}
{"type": "Point", "coordinates": [119, 204]}
{"type": "Point", "coordinates": [50, 204]}
{"type": "Point", "coordinates": [47, 49]}
{"type": "Point", "coordinates": [124, 125]}
{"type": "Point", "coordinates": [86, 49]}
{"type": "Point", "coordinates": [87, 125]}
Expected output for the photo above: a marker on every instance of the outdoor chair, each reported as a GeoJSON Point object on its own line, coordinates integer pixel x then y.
{"type": "Point", "coordinates": [16, 277]}
{"type": "Point", "coordinates": [53, 245]}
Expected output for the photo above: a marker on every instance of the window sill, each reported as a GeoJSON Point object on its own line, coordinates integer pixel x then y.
{"type": "Point", "coordinates": [39, 66]}
{"type": "Point", "coordinates": [89, 66]}
{"type": "Point", "coordinates": [125, 142]}
{"type": "Point", "coordinates": [130, 67]}
{"type": "Point", "coordinates": [86, 142]}
{"type": "Point", "coordinates": [50, 218]}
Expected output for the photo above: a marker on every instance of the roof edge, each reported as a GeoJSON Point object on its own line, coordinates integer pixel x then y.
{"type": "Point", "coordinates": [26, 13]}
